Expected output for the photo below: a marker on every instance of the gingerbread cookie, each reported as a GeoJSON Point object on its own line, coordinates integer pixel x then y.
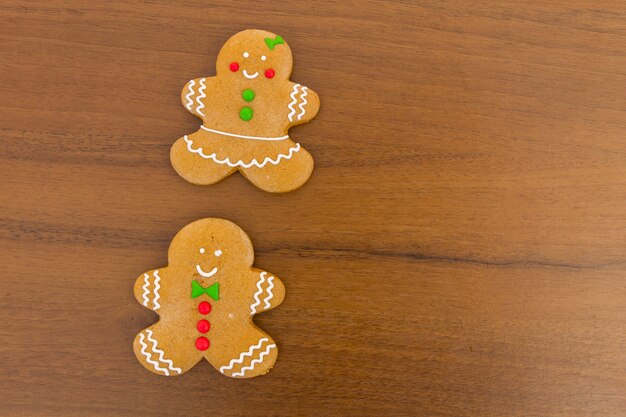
{"type": "Point", "coordinates": [206, 298]}
{"type": "Point", "coordinates": [246, 111]}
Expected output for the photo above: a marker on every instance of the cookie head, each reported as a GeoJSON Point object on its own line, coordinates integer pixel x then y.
{"type": "Point", "coordinates": [209, 246]}
{"type": "Point", "coordinates": [255, 56]}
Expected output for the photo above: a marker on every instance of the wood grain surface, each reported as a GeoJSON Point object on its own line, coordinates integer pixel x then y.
{"type": "Point", "coordinates": [459, 250]}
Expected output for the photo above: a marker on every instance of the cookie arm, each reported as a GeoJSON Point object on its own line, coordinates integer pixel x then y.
{"type": "Point", "coordinates": [269, 292]}
{"type": "Point", "coordinates": [148, 289]}
{"type": "Point", "coordinates": [303, 104]}
{"type": "Point", "coordinates": [193, 96]}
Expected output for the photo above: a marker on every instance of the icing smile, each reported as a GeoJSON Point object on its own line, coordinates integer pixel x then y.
{"type": "Point", "coordinates": [206, 274]}
{"type": "Point", "coordinates": [250, 76]}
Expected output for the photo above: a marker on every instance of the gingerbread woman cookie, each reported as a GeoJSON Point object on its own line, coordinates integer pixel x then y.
{"type": "Point", "coordinates": [246, 111]}
{"type": "Point", "coordinates": [206, 298]}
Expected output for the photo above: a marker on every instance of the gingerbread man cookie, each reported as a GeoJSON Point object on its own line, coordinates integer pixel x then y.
{"type": "Point", "coordinates": [206, 298]}
{"type": "Point", "coordinates": [246, 111]}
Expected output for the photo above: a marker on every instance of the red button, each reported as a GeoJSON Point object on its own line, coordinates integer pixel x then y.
{"type": "Point", "coordinates": [202, 343]}
{"type": "Point", "coordinates": [203, 326]}
{"type": "Point", "coordinates": [204, 307]}
{"type": "Point", "coordinates": [269, 73]}
{"type": "Point", "coordinates": [234, 66]}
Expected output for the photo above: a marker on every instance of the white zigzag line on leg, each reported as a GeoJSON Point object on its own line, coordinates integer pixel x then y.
{"type": "Point", "coordinates": [255, 361]}
{"type": "Point", "coordinates": [155, 364]}
{"type": "Point", "coordinates": [244, 355]}
{"type": "Point", "coordinates": [155, 349]}
{"type": "Point", "coordinates": [156, 291]}
{"type": "Point", "coordinates": [293, 101]}
{"type": "Point", "coordinates": [240, 163]}
{"type": "Point", "coordinates": [146, 278]}
{"type": "Point", "coordinates": [256, 295]}
{"type": "Point", "coordinates": [201, 96]}
{"type": "Point", "coordinates": [269, 291]}
{"type": "Point", "coordinates": [304, 102]}
{"type": "Point", "coordinates": [188, 96]}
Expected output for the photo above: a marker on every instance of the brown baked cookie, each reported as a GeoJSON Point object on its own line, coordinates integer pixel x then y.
{"type": "Point", "coordinates": [246, 111]}
{"type": "Point", "coordinates": [206, 298]}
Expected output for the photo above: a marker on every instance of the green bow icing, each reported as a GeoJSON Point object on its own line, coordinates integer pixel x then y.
{"type": "Point", "coordinates": [212, 291]}
{"type": "Point", "coordinates": [271, 43]}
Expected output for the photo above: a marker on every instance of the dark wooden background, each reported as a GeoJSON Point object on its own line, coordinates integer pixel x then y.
{"type": "Point", "coordinates": [459, 251]}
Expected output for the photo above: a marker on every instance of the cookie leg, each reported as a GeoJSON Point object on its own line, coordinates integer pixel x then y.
{"type": "Point", "coordinates": [287, 175]}
{"type": "Point", "coordinates": [161, 350]}
{"type": "Point", "coordinates": [194, 168]}
{"type": "Point", "coordinates": [252, 355]}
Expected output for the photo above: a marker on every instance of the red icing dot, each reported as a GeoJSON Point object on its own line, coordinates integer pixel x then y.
{"type": "Point", "coordinates": [203, 326]}
{"type": "Point", "coordinates": [202, 343]}
{"type": "Point", "coordinates": [234, 66]}
{"type": "Point", "coordinates": [204, 307]}
{"type": "Point", "coordinates": [269, 73]}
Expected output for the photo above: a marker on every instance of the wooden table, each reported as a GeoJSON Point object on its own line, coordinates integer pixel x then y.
{"type": "Point", "coordinates": [459, 251]}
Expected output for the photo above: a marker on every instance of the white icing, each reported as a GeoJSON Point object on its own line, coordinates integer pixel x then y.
{"type": "Point", "coordinates": [240, 163]}
{"type": "Point", "coordinates": [246, 54]}
{"type": "Point", "coordinates": [157, 287]}
{"type": "Point", "coordinates": [218, 253]}
{"type": "Point", "coordinates": [250, 76]}
{"type": "Point", "coordinates": [146, 279]}
{"type": "Point", "coordinates": [294, 100]}
{"type": "Point", "coordinates": [257, 301]}
{"type": "Point", "coordinates": [255, 361]}
{"type": "Point", "coordinates": [188, 96]}
{"type": "Point", "coordinates": [304, 102]}
{"type": "Point", "coordinates": [263, 58]}
{"type": "Point", "coordinates": [161, 359]}
{"type": "Point", "coordinates": [244, 355]}
{"type": "Point", "coordinates": [219, 132]}
{"type": "Point", "coordinates": [202, 250]}
{"type": "Point", "coordinates": [201, 96]}
{"type": "Point", "coordinates": [269, 292]}
{"type": "Point", "coordinates": [206, 274]}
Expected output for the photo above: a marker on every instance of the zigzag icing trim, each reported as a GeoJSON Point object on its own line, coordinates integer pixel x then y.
{"type": "Point", "coordinates": [146, 279]}
{"type": "Point", "coordinates": [243, 355]}
{"type": "Point", "coordinates": [255, 361]}
{"type": "Point", "coordinates": [157, 286]}
{"type": "Point", "coordinates": [156, 351]}
{"type": "Point", "coordinates": [240, 163]}
{"type": "Point", "coordinates": [188, 96]}
{"type": "Point", "coordinates": [294, 100]}
{"type": "Point", "coordinates": [304, 102]}
{"type": "Point", "coordinates": [269, 292]}
{"type": "Point", "coordinates": [257, 302]}
{"type": "Point", "coordinates": [201, 96]}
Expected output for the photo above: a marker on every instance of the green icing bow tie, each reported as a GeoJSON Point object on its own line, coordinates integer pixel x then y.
{"type": "Point", "coordinates": [212, 291]}
{"type": "Point", "coordinates": [271, 43]}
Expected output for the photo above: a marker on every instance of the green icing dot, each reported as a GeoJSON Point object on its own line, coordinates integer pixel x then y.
{"type": "Point", "coordinates": [248, 94]}
{"type": "Point", "coordinates": [245, 113]}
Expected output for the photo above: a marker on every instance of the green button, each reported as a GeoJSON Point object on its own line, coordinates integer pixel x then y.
{"type": "Point", "coordinates": [245, 113]}
{"type": "Point", "coordinates": [248, 94]}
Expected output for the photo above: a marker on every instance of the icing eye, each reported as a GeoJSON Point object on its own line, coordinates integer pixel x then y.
{"type": "Point", "coordinates": [246, 54]}
{"type": "Point", "coordinates": [202, 250]}
{"type": "Point", "coordinates": [218, 252]}
{"type": "Point", "coordinates": [234, 66]}
{"type": "Point", "coordinates": [269, 73]}
{"type": "Point", "coordinates": [263, 58]}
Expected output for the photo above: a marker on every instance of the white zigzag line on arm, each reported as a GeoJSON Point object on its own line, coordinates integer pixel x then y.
{"type": "Point", "coordinates": [155, 364]}
{"type": "Point", "coordinates": [240, 163]}
{"type": "Point", "coordinates": [188, 96]}
{"type": "Point", "coordinates": [146, 278]}
{"type": "Point", "coordinates": [156, 290]}
{"type": "Point", "coordinates": [244, 355]}
{"type": "Point", "coordinates": [155, 349]}
{"type": "Point", "coordinates": [201, 96]}
{"type": "Point", "coordinates": [269, 291]}
{"type": "Point", "coordinates": [255, 361]}
{"type": "Point", "coordinates": [256, 295]}
{"type": "Point", "coordinates": [304, 102]}
{"type": "Point", "coordinates": [293, 101]}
